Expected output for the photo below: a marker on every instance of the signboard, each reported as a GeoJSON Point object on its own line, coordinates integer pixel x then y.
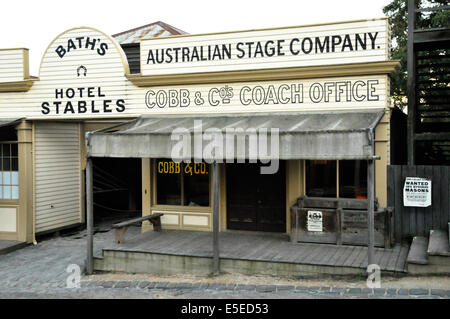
{"type": "Point", "coordinates": [315, 221]}
{"type": "Point", "coordinates": [83, 75]}
{"type": "Point", "coordinates": [324, 44]}
{"type": "Point", "coordinates": [417, 192]}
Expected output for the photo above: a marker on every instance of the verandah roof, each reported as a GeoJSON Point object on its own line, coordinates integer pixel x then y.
{"type": "Point", "coordinates": [335, 135]}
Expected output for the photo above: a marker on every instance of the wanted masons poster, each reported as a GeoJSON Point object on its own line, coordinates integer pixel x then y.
{"type": "Point", "coordinates": [417, 192]}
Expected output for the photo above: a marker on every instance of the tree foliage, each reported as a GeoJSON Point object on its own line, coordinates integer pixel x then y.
{"type": "Point", "coordinates": [397, 11]}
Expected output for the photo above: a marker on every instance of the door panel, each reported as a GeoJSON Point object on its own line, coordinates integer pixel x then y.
{"type": "Point", "coordinates": [255, 201]}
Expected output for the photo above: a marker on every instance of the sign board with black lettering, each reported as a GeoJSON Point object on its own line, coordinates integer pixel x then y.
{"type": "Point", "coordinates": [315, 221]}
{"type": "Point", "coordinates": [84, 73]}
{"type": "Point", "coordinates": [321, 44]}
{"type": "Point", "coordinates": [417, 192]}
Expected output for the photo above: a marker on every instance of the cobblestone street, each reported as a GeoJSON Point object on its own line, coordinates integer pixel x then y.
{"type": "Point", "coordinates": [40, 272]}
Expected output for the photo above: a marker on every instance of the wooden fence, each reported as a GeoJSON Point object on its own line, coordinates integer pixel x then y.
{"type": "Point", "coordinates": [418, 221]}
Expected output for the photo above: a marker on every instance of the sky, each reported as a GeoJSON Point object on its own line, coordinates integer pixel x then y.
{"type": "Point", "coordinates": [34, 24]}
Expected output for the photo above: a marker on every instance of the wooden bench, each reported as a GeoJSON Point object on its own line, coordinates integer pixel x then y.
{"type": "Point", "coordinates": [121, 228]}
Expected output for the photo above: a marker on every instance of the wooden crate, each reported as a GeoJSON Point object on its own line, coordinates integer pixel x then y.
{"type": "Point", "coordinates": [344, 221]}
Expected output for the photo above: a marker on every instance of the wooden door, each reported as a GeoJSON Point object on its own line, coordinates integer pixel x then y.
{"type": "Point", "coordinates": [255, 201]}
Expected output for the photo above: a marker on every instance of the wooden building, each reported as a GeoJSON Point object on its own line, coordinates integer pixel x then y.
{"type": "Point", "coordinates": [324, 87]}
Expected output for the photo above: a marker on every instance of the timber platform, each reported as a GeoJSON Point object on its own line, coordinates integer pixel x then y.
{"type": "Point", "coordinates": [171, 252]}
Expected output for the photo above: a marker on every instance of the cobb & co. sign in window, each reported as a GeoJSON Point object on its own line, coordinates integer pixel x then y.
{"type": "Point", "coordinates": [170, 167]}
{"type": "Point", "coordinates": [417, 192]}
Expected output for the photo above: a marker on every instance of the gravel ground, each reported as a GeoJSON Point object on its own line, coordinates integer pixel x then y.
{"type": "Point", "coordinates": [41, 272]}
{"type": "Point", "coordinates": [436, 282]}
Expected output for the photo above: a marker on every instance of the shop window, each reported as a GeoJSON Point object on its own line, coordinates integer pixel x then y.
{"type": "Point", "coordinates": [185, 184]}
{"type": "Point", "coordinates": [321, 178]}
{"type": "Point", "coordinates": [9, 171]}
{"type": "Point", "coordinates": [322, 181]}
{"type": "Point", "coordinates": [353, 179]}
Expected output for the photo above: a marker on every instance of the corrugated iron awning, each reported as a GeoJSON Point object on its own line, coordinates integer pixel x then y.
{"type": "Point", "coordinates": [332, 135]}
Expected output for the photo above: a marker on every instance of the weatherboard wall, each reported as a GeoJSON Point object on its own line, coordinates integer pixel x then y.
{"type": "Point", "coordinates": [114, 96]}
{"type": "Point", "coordinates": [13, 65]}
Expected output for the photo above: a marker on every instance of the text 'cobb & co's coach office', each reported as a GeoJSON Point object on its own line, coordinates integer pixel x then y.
{"type": "Point", "coordinates": [324, 87]}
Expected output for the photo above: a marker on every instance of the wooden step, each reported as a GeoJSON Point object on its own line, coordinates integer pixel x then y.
{"type": "Point", "coordinates": [438, 243]}
{"type": "Point", "coordinates": [418, 251]}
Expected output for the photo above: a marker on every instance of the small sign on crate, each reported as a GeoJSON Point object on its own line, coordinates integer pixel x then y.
{"type": "Point", "coordinates": [417, 192]}
{"type": "Point", "coordinates": [315, 221]}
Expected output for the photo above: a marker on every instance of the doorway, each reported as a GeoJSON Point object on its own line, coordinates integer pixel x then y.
{"type": "Point", "coordinates": [255, 202]}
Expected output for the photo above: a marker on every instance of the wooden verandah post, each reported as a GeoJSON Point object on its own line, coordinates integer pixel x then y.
{"type": "Point", "coordinates": [89, 217]}
{"type": "Point", "coordinates": [371, 213]}
{"type": "Point", "coordinates": [371, 199]}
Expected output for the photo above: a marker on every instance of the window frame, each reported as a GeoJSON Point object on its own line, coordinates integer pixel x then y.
{"type": "Point", "coordinates": [337, 178]}
{"type": "Point", "coordinates": [11, 201]}
{"type": "Point", "coordinates": [154, 196]}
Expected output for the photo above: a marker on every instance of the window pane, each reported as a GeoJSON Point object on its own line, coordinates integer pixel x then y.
{"type": "Point", "coordinates": [15, 192]}
{"type": "Point", "coordinates": [6, 192]}
{"type": "Point", "coordinates": [15, 164]}
{"type": "Point", "coordinates": [321, 178]}
{"type": "Point", "coordinates": [6, 150]}
{"type": "Point", "coordinates": [353, 179]}
{"type": "Point", "coordinates": [7, 178]}
{"type": "Point", "coordinates": [14, 149]}
{"type": "Point", "coordinates": [168, 182]}
{"type": "Point", "coordinates": [15, 178]}
{"type": "Point", "coordinates": [6, 164]}
{"type": "Point", "coordinates": [196, 186]}
{"type": "Point", "coordinates": [1, 192]}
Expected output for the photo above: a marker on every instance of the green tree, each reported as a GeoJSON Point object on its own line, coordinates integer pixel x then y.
{"type": "Point", "coordinates": [397, 11]}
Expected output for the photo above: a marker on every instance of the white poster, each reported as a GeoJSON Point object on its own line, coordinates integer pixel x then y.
{"type": "Point", "coordinates": [417, 192]}
{"type": "Point", "coordinates": [314, 222]}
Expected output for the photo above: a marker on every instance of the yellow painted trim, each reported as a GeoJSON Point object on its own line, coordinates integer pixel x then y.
{"type": "Point", "coordinates": [264, 29]}
{"type": "Point", "coordinates": [25, 226]}
{"type": "Point", "coordinates": [17, 86]}
{"type": "Point", "coordinates": [33, 160]}
{"type": "Point", "coordinates": [10, 49]}
{"type": "Point", "coordinates": [182, 209]}
{"type": "Point", "coordinates": [322, 71]}
{"type": "Point", "coordinates": [26, 65]}
{"type": "Point", "coordinates": [8, 236]}
{"type": "Point", "coordinates": [126, 67]}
